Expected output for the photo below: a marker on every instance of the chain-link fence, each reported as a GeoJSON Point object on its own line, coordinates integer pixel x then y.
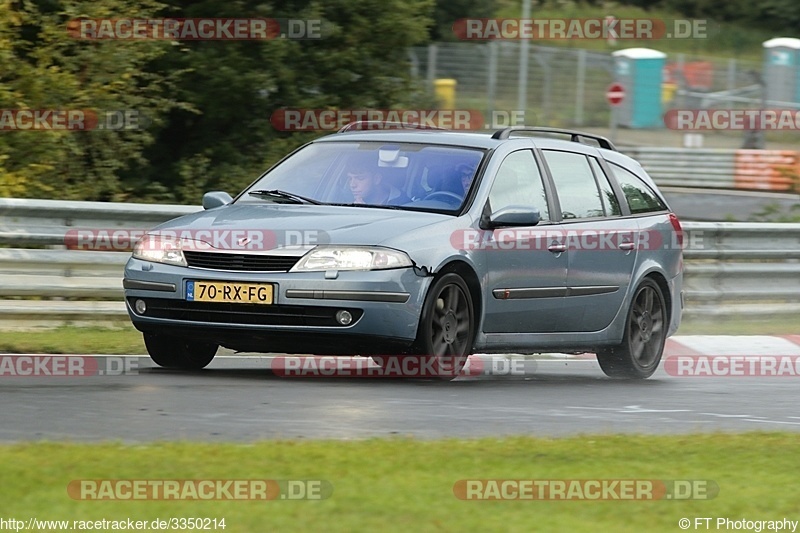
{"type": "Point", "coordinates": [563, 86]}
{"type": "Point", "coordinates": [566, 87]}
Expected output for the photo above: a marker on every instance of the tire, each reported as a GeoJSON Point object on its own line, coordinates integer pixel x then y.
{"type": "Point", "coordinates": [639, 354]}
{"type": "Point", "coordinates": [447, 326]}
{"type": "Point", "coordinates": [176, 352]}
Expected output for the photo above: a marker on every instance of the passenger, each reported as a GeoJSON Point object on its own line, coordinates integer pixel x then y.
{"type": "Point", "coordinates": [466, 173]}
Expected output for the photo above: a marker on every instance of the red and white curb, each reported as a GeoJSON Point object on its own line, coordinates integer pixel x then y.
{"type": "Point", "coordinates": [709, 345]}
{"type": "Point", "coordinates": [733, 345]}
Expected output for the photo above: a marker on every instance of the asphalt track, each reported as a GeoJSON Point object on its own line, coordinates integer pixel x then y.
{"type": "Point", "coordinates": [239, 398]}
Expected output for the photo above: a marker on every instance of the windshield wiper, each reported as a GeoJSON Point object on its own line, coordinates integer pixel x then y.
{"type": "Point", "coordinates": [283, 195]}
{"type": "Point", "coordinates": [370, 205]}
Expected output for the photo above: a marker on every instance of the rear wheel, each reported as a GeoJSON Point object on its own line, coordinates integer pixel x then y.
{"type": "Point", "coordinates": [645, 334]}
{"type": "Point", "coordinates": [176, 352]}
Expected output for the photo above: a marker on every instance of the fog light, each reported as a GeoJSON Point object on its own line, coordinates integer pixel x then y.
{"type": "Point", "coordinates": [140, 306]}
{"type": "Point", "coordinates": [344, 317]}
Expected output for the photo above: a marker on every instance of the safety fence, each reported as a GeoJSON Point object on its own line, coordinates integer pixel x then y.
{"type": "Point", "coordinates": [731, 268]}
{"type": "Point", "coordinates": [771, 170]}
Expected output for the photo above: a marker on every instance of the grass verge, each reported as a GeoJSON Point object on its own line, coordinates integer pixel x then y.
{"type": "Point", "coordinates": [407, 485]}
{"type": "Point", "coordinates": [74, 340]}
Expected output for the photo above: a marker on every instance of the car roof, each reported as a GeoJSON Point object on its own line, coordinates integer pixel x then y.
{"type": "Point", "coordinates": [485, 140]}
{"type": "Point", "coordinates": [445, 137]}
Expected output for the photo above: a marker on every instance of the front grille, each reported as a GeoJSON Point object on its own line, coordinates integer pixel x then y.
{"type": "Point", "coordinates": [243, 262]}
{"type": "Point", "coordinates": [253, 314]}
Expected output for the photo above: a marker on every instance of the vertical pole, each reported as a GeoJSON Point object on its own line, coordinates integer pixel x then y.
{"type": "Point", "coordinates": [414, 60]}
{"type": "Point", "coordinates": [613, 120]}
{"type": "Point", "coordinates": [731, 74]}
{"type": "Point", "coordinates": [491, 88]}
{"type": "Point", "coordinates": [543, 60]}
{"type": "Point", "coordinates": [581, 82]}
{"type": "Point", "coordinates": [682, 99]}
{"type": "Point", "coordinates": [432, 53]}
{"type": "Point", "coordinates": [522, 88]}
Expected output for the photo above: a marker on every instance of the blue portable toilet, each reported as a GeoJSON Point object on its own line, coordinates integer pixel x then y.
{"type": "Point", "coordinates": [782, 69]}
{"type": "Point", "coordinates": [640, 71]}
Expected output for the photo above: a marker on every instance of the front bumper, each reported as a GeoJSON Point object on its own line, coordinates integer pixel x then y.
{"type": "Point", "coordinates": [385, 305]}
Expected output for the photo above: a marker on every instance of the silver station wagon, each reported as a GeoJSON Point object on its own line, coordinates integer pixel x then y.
{"type": "Point", "coordinates": [413, 242]}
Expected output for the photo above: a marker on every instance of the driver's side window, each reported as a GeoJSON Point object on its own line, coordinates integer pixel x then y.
{"type": "Point", "coordinates": [519, 182]}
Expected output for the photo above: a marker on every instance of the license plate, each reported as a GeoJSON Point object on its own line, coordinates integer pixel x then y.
{"type": "Point", "coordinates": [229, 292]}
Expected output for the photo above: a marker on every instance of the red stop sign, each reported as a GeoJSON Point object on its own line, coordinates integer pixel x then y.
{"type": "Point", "coordinates": [615, 93]}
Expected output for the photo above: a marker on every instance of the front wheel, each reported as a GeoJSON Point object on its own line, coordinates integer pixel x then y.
{"type": "Point", "coordinates": [176, 352]}
{"type": "Point", "coordinates": [645, 334]}
{"type": "Point", "coordinates": [447, 326]}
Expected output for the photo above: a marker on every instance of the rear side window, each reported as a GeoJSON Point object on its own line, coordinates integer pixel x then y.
{"type": "Point", "coordinates": [640, 197]}
{"type": "Point", "coordinates": [575, 185]}
{"type": "Point", "coordinates": [609, 198]}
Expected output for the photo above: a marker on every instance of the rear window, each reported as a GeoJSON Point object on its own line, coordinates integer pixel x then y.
{"type": "Point", "coordinates": [640, 197]}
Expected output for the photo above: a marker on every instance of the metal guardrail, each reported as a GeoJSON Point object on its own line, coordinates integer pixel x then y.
{"type": "Point", "coordinates": [745, 269]}
{"type": "Point", "coordinates": [772, 170]}
{"type": "Point", "coordinates": [713, 169]}
{"type": "Point", "coordinates": [731, 268]}
{"type": "Point", "coordinates": [26, 222]}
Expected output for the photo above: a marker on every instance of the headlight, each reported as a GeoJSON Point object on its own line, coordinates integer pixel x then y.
{"type": "Point", "coordinates": [351, 258]}
{"type": "Point", "coordinates": [160, 250]}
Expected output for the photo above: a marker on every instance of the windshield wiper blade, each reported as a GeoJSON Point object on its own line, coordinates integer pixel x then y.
{"type": "Point", "coordinates": [276, 193]}
{"type": "Point", "coordinates": [378, 206]}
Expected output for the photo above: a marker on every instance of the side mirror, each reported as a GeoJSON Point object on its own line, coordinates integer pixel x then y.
{"type": "Point", "coordinates": [216, 199]}
{"type": "Point", "coordinates": [512, 216]}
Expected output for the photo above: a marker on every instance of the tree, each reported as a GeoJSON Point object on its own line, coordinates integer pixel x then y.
{"type": "Point", "coordinates": [233, 87]}
{"type": "Point", "coordinates": [449, 11]}
{"type": "Point", "coordinates": [208, 103]}
{"type": "Point", "coordinates": [43, 68]}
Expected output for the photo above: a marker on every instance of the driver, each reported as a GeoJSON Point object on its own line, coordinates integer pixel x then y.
{"type": "Point", "coordinates": [367, 187]}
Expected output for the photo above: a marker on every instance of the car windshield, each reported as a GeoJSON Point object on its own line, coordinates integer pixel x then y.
{"type": "Point", "coordinates": [371, 174]}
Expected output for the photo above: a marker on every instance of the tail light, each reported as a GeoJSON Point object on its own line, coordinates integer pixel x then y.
{"type": "Point", "coordinates": [676, 225]}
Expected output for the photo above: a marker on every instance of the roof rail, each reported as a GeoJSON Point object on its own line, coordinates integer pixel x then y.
{"type": "Point", "coordinates": [360, 125]}
{"type": "Point", "coordinates": [575, 136]}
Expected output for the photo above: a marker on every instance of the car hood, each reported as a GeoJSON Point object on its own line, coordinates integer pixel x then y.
{"type": "Point", "coordinates": [290, 224]}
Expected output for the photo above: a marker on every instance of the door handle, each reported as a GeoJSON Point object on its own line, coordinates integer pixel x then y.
{"type": "Point", "coordinates": [557, 247]}
{"type": "Point", "coordinates": [627, 246]}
